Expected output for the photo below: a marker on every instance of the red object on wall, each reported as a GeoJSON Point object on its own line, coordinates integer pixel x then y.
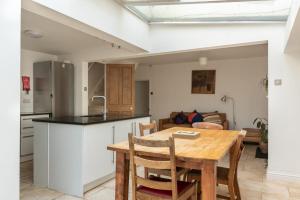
{"type": "Point", "coordinates": [26, 83]}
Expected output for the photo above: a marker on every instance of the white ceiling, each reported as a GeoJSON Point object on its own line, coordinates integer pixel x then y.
{"type": "Point", "coordinates": [58, 39]}
{"type": "Point", "coordinates": [238, 51]}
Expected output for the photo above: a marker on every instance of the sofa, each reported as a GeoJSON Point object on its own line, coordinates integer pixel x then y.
{"type": "Point", "coordinates": [169, 122]}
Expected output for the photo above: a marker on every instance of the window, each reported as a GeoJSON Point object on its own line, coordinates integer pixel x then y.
{"type": "Point", "coordinates": [207, 11]}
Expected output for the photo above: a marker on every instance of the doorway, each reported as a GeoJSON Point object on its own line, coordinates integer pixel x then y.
{"type": "Point", "coordinates": [142, 97]}
{"type": "Point", "coordinates": [96, 87]}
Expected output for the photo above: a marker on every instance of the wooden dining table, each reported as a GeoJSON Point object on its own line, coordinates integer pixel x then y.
{"type": "Point", "coordinates": [201, 153]}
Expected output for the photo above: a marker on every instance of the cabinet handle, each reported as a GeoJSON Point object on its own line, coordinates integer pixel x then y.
{"type": "Point", "coordinates": [29, 127]}
{"type": "Point", "coordinates": [113, 159]}
{"type": "Point", "coordinates": [132, 124]}
{"type": "Point", "coordinates": [27, 136]}
{"type": "Point", "coordinates": [29, 154]}
{"type": "Point", "coordinates": [26, 119]}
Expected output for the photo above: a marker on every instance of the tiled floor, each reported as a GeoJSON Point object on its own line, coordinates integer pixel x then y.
{"type": "Point", "coordinates": [253, 184]}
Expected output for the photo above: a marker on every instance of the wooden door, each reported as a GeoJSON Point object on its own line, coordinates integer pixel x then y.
{"type": "Point", "coordinates": [120, 88]}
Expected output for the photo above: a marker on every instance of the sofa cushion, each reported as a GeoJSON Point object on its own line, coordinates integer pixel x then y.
{"type": "Point", "coordinates": [171, 125]}
{"type": "Point", "coordinates": [221, 115]}
{"type": "Point", "coordinates": [210, 113]}
{"type": "Point", "coordinates": [191, 117]}
{"type": "Point", "coordinates": [195, 117]}
{"type": "Point", "coordinates": [180, 118]}
{"type": "Point", "coordinates": [213, 119]}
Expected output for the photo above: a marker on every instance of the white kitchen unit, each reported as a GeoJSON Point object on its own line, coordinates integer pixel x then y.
{"type": "Point", "coordinates": [73, 157]}
{"type": "Point", "coordinates": [27, 137]}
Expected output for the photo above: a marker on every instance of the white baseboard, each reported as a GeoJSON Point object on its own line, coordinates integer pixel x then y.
{"type": "Point", "coordinates": [98, 182]}
{"type": "Point", "coordinates": [273, 175]}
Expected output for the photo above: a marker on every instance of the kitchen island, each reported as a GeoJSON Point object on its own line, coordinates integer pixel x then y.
{"type": "Point", "coordinates": [70, 153]}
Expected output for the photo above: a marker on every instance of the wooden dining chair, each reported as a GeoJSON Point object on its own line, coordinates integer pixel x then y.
{"type": "Point", "coordinates": [207, 125]}
{"type": "Point", "coordinates": [226, 176]}
{"type": "Point", "coordinates": [156, 188]}
{"type": "Point", "coordinates": [152, 127]}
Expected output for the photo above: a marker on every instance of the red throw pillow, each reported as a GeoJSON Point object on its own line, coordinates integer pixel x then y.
{"type": "Point", "coordinates": [191, 116]}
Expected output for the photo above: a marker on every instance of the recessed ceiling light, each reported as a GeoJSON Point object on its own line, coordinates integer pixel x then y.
{"type": "Point", "coordinates": [32, 33]}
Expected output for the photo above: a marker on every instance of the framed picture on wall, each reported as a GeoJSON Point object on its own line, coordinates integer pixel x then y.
{"type": "Point", "coordinates": [203, 81]}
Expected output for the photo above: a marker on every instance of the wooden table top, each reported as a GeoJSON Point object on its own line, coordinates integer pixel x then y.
{"type": "Point", "coordinates": [210, 145]}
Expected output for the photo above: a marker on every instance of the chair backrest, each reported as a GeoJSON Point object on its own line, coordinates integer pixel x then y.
{"type": "Point", "coordinates": [207, 125]}
{"type": "Point", "coordinates": [138, 160]}
{"type": "Point", "coordinates": [237, 153]}
{"type": "Point", "coordinates": [152, 127]}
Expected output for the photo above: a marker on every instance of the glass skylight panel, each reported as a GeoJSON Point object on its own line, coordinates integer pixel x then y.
{"type": "Point", "coordinates": [164, 11]}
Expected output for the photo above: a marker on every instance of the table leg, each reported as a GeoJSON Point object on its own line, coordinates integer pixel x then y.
{"type": "Point", "coordinates": [209, 180]}
{"type": "Point", "coordinates": [122, 177]}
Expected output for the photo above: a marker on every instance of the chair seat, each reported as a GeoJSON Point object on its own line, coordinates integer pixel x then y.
{"type": "Point", "coordinates": [222, 175]}
{"type": "Point", "coordinates": [182, 187]}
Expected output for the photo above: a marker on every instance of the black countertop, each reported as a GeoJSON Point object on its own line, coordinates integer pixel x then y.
{"type": "Point", "coordinates": [35, 113]}
{"type": "Point", "coordinates": [87, 120]}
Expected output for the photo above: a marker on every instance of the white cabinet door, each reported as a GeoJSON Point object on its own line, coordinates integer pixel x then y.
{"type": "Point", "coordinates": [98, 162]}
{"type": "Point", "coordinates": [27, 136]}
{"type": "Point", "coordinates": [41, 159]}
{"type": "Point", "coordinates": [26, 145]}
{"type": "Point", "coordinates": [144, 120]}
{"type": "Point", "coordinates": [26, 121]}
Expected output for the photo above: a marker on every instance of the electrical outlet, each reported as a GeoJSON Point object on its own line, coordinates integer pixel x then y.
{"type": "Point", "coordinates": [278, 82]}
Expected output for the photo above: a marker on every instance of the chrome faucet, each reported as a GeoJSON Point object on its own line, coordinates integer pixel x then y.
{"type": "Point", "coordinates": [101, 97]}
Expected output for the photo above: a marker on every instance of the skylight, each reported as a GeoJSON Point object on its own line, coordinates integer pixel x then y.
{"type": "Point", "coordinates": [207, 11]}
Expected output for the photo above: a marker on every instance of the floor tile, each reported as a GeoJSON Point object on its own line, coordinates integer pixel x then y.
{"type": "Point", "coordinates": [67, 197]}
{"type": "Point", "coordinates": [105, 194]}
{"type": "Point", "coordinates": [294, 192]}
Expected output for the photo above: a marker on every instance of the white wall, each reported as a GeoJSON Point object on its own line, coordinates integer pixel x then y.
{"type": "Point", "coordinates": [239, 78]}
{"type": "Point", "coordinates": [29, 57]}
{"type": "Point", "coordinates": [284, 108]}
{"type": "Point", "coordinates": [80, 60]}
{"type": "Point", "coordinates": [105, 15]}
{"type": "Point", "coordinates": [10, 16]}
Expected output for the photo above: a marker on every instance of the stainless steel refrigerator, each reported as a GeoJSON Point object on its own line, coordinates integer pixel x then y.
{"type": "Point", "coordinates": [53, 88]}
